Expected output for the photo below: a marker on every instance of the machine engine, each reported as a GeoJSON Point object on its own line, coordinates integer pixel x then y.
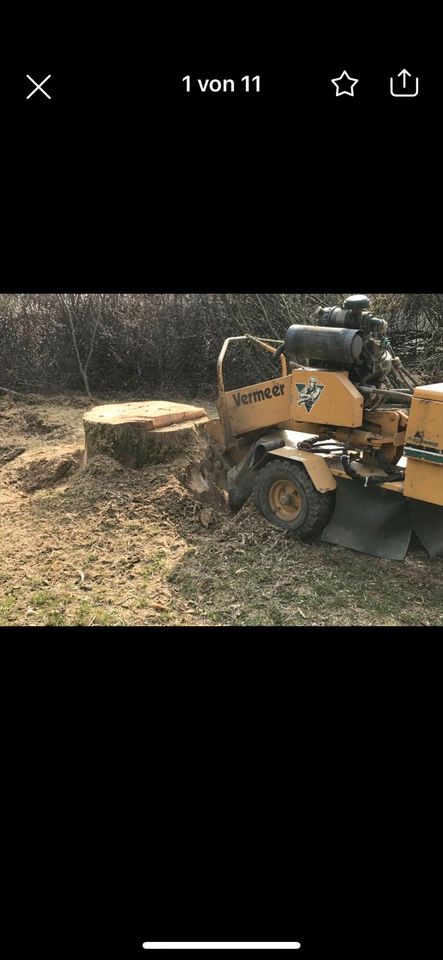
{"type": "Point", "coordinates": [351, 338]}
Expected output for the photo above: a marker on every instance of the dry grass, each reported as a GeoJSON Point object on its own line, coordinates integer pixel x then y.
{"type": "Point", "coordinates": [107, 546]}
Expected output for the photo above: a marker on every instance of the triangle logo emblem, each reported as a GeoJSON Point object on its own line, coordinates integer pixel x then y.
{"type": "Point", "coordinates": [309, 393]}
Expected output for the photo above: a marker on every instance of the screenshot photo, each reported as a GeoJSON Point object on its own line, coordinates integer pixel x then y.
{"type": "Point", "coordinates": [221, 481]}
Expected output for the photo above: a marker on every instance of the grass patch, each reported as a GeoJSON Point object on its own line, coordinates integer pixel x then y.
{"type": "Point", "coordinates": [7, 605]}
{"type": "Point", "coordinates": [41, 598]}
{"type": "Point", "coordinates": [88, 614]}
{"type": "Point", "coordinates": [305, 585]}
{"type": "Point", "coordinates": [56, 618]}
{"type": "Point", "coordinates": [154, 565]}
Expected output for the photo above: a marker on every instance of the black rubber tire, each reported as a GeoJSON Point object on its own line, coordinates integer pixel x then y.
{"type": "Point", "coordinates": [316, 508]}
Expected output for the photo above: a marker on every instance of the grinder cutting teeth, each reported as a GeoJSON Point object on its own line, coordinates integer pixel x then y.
{"type": "Point", "coordinates": [343, 443]}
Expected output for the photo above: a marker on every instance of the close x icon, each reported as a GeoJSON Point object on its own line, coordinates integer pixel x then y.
{"type": "Point", "coordinates": [38, 86]}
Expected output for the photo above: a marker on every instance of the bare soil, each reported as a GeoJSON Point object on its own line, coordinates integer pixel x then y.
{"type": "Point", "coordinates": [106, 545]}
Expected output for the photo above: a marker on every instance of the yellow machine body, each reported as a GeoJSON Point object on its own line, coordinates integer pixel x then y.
{"type": "Point", "coordinates": [257, 406]}
{"type": "Point", "coordinates": [325, 397]}
{"type": "Point", "coordinates": [424, 445]}
{"type": "Point", "coordinates": [306, 396]}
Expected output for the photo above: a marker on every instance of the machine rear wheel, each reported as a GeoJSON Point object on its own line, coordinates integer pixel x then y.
{"type": "Point", "coordinates": [288, 499]}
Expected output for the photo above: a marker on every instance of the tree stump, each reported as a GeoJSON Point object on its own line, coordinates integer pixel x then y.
{"type": "Point", "coordinates": [137, 434]}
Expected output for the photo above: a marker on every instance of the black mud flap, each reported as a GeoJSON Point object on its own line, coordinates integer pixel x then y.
{"type": "Point", "coordinates": [427, 524]}
{"type": "Point", "coordinates": [240, 487]}
{"type": "Point", "coordinates": [369, 520]}
{"type": "Point", "coordinates": [242, 477]}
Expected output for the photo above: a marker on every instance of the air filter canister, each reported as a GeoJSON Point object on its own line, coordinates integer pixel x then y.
{"type": "Point", "coordinates": [323, 343]}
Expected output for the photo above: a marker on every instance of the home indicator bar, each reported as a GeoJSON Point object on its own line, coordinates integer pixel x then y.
{"type": "Point", "coordinates": [224, 945]}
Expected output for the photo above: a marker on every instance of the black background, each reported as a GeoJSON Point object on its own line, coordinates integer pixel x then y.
{"type": "Point", "coordinates": [124, 181]}
{"type": "Point", "coordinates": [233, 782]}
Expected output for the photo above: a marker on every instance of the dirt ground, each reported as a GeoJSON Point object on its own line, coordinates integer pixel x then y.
{"type": "Point", "coordinates": [104, 545]}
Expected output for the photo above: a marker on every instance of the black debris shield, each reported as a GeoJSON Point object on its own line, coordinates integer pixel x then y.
{"type": "Point", "coordinates": [369, 520]}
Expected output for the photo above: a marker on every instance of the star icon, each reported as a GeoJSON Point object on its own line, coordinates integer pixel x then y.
{"type": "Point", "coordinates": [344, 81]}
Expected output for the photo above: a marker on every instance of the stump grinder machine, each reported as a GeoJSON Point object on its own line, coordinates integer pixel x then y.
{"type": "Point", "coordinates": [343, 443]}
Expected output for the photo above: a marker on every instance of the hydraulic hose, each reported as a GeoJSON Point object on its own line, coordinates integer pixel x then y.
{"type": "Point", "coordinates": [278, 352]}
{"type": "Point", "coordinates": [369, 479]}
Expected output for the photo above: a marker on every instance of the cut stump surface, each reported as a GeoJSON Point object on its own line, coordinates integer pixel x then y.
{"type": "Point", "coordinates": [136, 434]}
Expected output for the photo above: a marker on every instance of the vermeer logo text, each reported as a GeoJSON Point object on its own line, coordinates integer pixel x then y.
{"type": "Point", "coordinates": [276, 391]}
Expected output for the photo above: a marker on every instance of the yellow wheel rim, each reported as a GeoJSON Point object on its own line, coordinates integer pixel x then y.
{"type": "Point", "coordinates": [284, 500]}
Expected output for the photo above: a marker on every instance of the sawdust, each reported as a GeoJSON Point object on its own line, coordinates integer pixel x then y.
{"type": "Point", "coordinates": [10, 453]}
{"type": "Point", "coordinates": [45, 473]}
{"type": "Point", "coordinates": [25, 421]}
